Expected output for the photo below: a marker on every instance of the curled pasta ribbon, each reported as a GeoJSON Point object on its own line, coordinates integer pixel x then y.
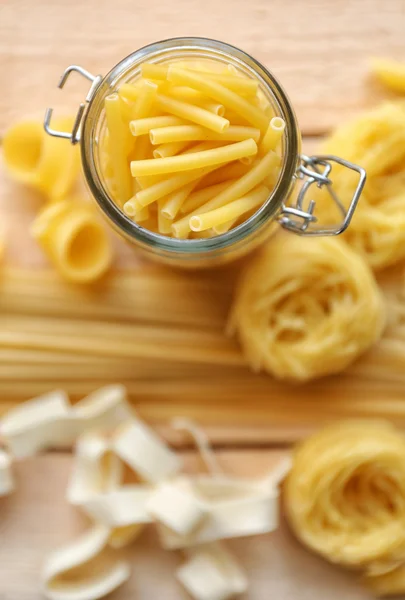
{"type": "Point", "coordinates": [201, 441]}
{"type": "Point", "coordinates": [74, 240]}
{"type": "Point", "coordinates": [7, 484]}
{"type": "Point", "coordinates": [96, 469]}
{"type": "Point", "coordinates": [96, 481]}
{"type": "Point", "coordinates": [95, 485]}
{"type": "Point", "coordinates": [345, 499]}
{"type": "Point", "coordinates": [306, 308]}
{"type": "Point", "coordinates": [144, 452]}
{"type": "Point", "coordinates": [85, 569]}
{"type": "Point", "coordinates": [41, 161]}
{"type": "Point", "coordinates": [375, 140]}
{"type": "Point", "coordinates": [211, 573]}
{"type": "Point", "coordinates": [226, 508]}
{"type": "Point", "coordinates": [51, 421]}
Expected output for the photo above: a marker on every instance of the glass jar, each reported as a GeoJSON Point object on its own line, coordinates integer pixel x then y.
{"type": "Point", "coordinates": [297, 216]}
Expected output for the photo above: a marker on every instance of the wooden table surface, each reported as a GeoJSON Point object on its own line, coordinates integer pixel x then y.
{"type": "Point", "coordinates": [319, 49]}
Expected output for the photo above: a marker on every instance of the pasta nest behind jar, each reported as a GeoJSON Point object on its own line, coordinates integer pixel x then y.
{"type": "Point", "coordinates": [306, 308]}
{"type": "Point", "coordinates": [345, 499]}
{"type": "Point", "coordinates": [376, 141]}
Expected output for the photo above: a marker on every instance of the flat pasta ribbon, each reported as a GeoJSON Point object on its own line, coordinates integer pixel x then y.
{"type": "Point", "coordinates": [85, 569]}
{"type": "Point", "coordinates": [51, 421]}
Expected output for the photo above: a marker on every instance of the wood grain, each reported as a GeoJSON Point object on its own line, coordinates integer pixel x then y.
{"type": "Point", "coordinates": [36, 519]}
{"type": "Point", "coordinates": [319, 50]}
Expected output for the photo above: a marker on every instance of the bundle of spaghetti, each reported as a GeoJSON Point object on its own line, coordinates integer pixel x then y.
{"type": "Point", "coordinates": [345, 499]}
{"type": "Point", "coordinates": [161, 333]}
{"type": "Point", "coordinates": [150, 294]}
{"type": "Point", "coordinates": [306, 308]}
{"type": "Point", "coordinates": [375, 140]}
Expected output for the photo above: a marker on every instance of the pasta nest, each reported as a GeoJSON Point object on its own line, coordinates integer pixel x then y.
{"type": "Point", "coordinates": [376, 141]}
{"type": "Point", "coordinates": [306, 308]}
{"type": "Point", "coordinates": [345, 499]}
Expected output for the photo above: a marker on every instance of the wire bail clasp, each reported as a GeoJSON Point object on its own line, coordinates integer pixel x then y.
{"type": "Point", "coordinates": [74, 136]}
{"type": "Point", "coordinates": [316, 170]}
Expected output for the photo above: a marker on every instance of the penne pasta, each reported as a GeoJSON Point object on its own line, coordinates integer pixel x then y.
{"type": "Point", "coordinates": [118, 148]}
{"type": "Point", "coordinates": [206, 158]}
{"type": "Point", "coordinates": [174, 201]}
{"type": "Point", "coordinates": [198, 198]}
{"type": "Point", "coordinates": [163, 188]}
{"type": "Point", "coordinates": [166, 150]}
{"type": "Point", "coordinates": [143, 126]}
{"type": "Point", "coordinates": [181, 133]}
{"type": "Point", "coordinates": [220, 93]}
{"type": "Point", "coordinates": [236, 190]}
{"type": "Point", "coordinates": [164, 222]}
{"type": "Point", "coordinates": [192, 113]}
{"type": "Point", "coordinates": [229, 212]}
{"type": "Point", "coordinates": [272, 136]}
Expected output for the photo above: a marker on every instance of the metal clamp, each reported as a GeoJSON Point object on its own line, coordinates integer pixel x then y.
{"type": "Point", "coordinates": [301, 220]}
{"type": "Point", "coordinates": [74, 136]}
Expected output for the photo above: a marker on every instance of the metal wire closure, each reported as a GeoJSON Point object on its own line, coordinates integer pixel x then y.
{"type": "Point", "coordinates": [74, 136]}
{"type": "Point", "coordinates": [301, 220]}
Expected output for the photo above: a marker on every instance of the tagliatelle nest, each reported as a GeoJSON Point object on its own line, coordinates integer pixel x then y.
{"type": "Point", "coordinates": [345, 499]}
{"type": "Point", "coordinates": [306, 308]}
{"type": "Point", "coordinates": [376, 141]}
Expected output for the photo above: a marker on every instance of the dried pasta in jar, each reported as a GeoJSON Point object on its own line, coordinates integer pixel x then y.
{"type": "Point", "coordinates": [41, 161]}
{"type": "Point", "coordinates": [74, 240]}
{"type": "Point", "coordinates": [376, 140]}
{"type": "Point", "coordinates": [175, 127]}
{"type": "Point", "coordinates": [345, 499]}
{"type": "Point", "coordinates": [306, 308]}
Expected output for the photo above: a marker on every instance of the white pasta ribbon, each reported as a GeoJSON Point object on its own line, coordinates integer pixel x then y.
{"type": "Point", "coordinates": [201, 441]}
{"type": "Point", "coordinates": [211, 573]}
{"type": "Point", "coordinates": [140, 448]}
{"type": "Point", "coordinates": [37, 424]}
{"type": "Point", "coordinates": [191, 513]}
{"type": "Point", "coordinates": [121, 507]}
{"type": "Point", "coordinates": [176, 508]}
{"type": "Point", "coordinates": [84, 569]}
{"type": "Point", "coordinates": [95, 470]}
{"type": "Point", "coordinates": [231, 510]}
{"type": "Point", "coordinates": [51, 421]}
{"type": "Point", "coordinates": [6, 476]}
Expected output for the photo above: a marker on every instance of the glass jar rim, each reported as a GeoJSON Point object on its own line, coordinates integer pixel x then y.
{"type": "Point", "coordinates": [136, 232]}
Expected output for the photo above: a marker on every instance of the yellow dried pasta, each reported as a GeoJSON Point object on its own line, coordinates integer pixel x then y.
{"type": "Point", "coordinates": [189, 101]}
{"type": "Point", "coordinates": [345, 499]}
{"type": "Point", "coordinates": [74, 240]}
{"type": "Point", "coordinates": [375, 140]}
{"type": "Point", "coordinates": [46, 163]}
{"type": "Point", "coordinates": [306, 308]}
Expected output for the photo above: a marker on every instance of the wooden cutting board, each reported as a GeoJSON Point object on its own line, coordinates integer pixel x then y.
{"type": "Point", "coordinates": [319, 50]}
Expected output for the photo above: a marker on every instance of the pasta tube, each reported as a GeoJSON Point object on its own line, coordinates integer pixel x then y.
{"type": "Point", "coordinates": [197, 160]}
{"type": "Point", "coordinates": [230, 211]}
{"type": "Point", "coordinates": [73, 240]}
{"type": "Point", "coordinates": [181, 133]}
{"type": "Point", "coordinates": [48, 164]}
